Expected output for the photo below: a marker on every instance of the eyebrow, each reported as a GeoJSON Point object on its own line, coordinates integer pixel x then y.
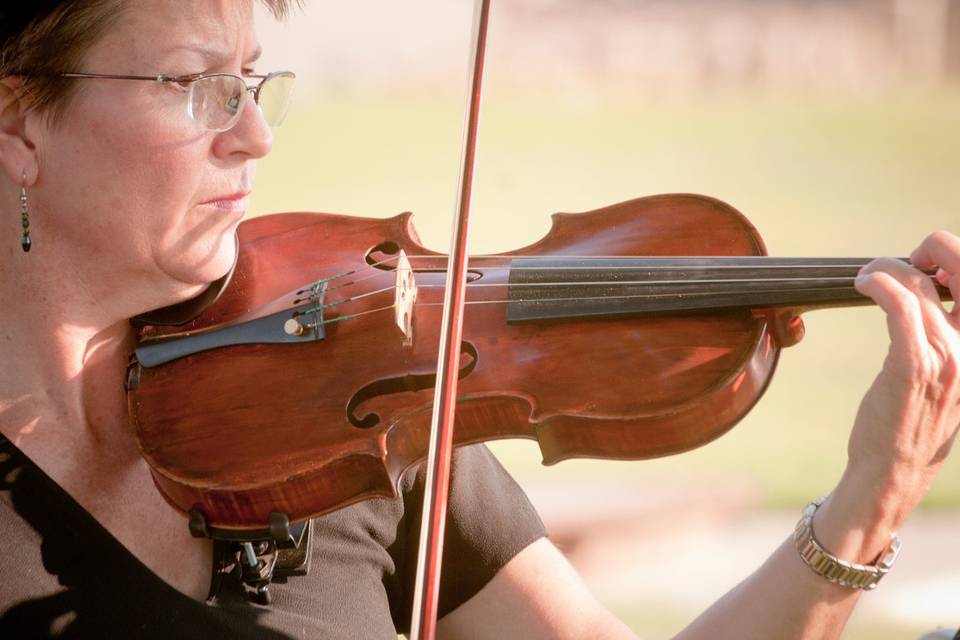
{"type": "Point", "coordinates": [216, 56]}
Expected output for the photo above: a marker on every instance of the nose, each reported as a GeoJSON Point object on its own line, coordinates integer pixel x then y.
{"type": "Point", "coordinates": [249, 139]}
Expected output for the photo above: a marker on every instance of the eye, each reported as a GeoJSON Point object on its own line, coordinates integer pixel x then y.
{"type": "Point", "coordinates": [182, 82]}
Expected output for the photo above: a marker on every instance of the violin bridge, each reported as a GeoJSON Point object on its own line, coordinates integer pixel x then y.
{"type": "Point", "coordinates": [404, 297]}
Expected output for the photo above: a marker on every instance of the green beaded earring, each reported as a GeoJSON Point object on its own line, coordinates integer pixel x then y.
{"type": "Point", "coordinates": [24, 217]}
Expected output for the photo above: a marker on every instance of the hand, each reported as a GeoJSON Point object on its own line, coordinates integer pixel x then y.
{"type": "Point", "coordinates": [910, 416]}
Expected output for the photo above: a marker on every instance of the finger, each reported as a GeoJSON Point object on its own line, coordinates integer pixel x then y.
{"type": "Point", "coordinates": [939, 326]}
{"type": "Point", "coordinates": [905, 322]}
{"type": "Point", "coordinates": [953, 284]}
{"type": "Point", "coordinates": [942, 249]}
{"type": "Point", "coordinates": [921, 284]}
{"type": "Point", "coordinates": [939, 249]}
{"type": "Point", "coordinates": [943, 277]}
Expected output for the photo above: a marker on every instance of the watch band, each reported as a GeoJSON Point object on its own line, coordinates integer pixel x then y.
{"type": "Point", "coordinates": [847, 574]}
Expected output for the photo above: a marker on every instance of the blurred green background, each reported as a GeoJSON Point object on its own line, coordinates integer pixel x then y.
{"type": "Point", "coordinates": [840, 140]}
{"type": "Point", "coordinates": [836, 176]}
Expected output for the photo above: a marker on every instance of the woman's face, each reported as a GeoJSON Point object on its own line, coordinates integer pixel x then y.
{"type": "Point", "coordinates": [127, 177]}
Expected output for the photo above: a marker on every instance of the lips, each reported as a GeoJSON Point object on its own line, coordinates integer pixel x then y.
{"type": "Point", "coordinates": [236, 202]}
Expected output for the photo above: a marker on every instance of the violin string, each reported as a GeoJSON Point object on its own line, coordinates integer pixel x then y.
{"type": "Point", "coordinates": [847, 289]}
{"type": "Point", "coordinates": [348, 316]}
{"type": "Point", "coordinates": [317, 283]}
{"type": "Point", "coordinates": [618, 283]}
{"type": "Point", "coordinates": [765, 262]}
{"type": "Point", "coordinates": [312, 287]}
{"type": "Point", "coordinates": [752, 261]}
{"type": "Point", "coordinates": [537, 285]}
{"type": "Point", "coordinates": [663, 267]}
{"type": "Point", "coordinates": [843, 282]}
{"type": "Point", "coordinates": [628, 296]}
{"type": "Point", "coordinates": [350, 283]}
{"type": "Point", "coordinates": [803, 260]}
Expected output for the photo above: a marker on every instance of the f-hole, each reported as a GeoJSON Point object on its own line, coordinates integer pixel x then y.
{"type": "Point", "coordinates": [384, 257]}
{"type": "Point", "coordinates": [404, 384]}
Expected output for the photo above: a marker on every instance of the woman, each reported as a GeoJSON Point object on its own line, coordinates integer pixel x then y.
{"type": "Point", "coordinates": [130, 191]}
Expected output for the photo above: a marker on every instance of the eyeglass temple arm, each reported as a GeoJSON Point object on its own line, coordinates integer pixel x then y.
{"type": "Point", "coordinates": [111, 76]}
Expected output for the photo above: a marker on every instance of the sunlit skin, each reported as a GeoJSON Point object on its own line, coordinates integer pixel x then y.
{"type": "Point", "coordinates": [133, 207]}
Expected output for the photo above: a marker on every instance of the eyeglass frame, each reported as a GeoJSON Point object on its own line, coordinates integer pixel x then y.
{"type": "Point", "coordinates": [185, 80]}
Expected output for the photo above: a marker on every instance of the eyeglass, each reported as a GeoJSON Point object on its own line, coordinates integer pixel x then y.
{"type": "Point", "coordinates": [215, 101]}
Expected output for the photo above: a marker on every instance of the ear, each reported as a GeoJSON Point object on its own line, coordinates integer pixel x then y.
{"type": "Point", "coordinates": [18, 153]}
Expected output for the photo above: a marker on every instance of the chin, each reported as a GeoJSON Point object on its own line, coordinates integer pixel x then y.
{"type": "Point", "coordinates": [221, 262]}
{"type": "Point", "coordinates": [204, 263]}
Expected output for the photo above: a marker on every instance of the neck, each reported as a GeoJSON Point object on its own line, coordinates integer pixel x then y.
{"type": "Point", "coordinates": [561, 287]}
{"type": "Point", "coordinates": [62, 396]}
{"type": "Point", "coordinates": [64, 340]}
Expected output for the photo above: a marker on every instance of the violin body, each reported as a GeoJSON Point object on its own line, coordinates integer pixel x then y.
{"type": "Point", "coordinates": [241, 431]}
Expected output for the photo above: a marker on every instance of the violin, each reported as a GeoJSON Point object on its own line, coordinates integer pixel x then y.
{"type": "Point", "coordinates": [637, 330]}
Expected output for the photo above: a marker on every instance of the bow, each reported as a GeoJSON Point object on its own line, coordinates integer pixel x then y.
{"type": "Point", "coordinates": [433, 522]}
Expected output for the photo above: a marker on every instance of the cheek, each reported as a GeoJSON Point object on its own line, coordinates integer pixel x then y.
{"type": "Point", "coordinates": [125, 187]}
{"type": "Point", "coordinates": [142, 182]}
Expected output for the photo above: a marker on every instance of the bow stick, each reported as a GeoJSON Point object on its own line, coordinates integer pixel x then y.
{"type": "Point", "coordinates": [427, 591]}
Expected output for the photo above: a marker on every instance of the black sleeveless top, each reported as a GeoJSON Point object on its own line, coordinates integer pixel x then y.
{"type": "Point", "coordinates": [63, 575]}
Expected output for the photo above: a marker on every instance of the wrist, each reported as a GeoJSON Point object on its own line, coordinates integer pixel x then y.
{"type": "Point", "coordinates": [856, 521]}
{"type": "Point", "coordinates": [887, 494]}
{"type": "Point", "coordinates": [840, 571]}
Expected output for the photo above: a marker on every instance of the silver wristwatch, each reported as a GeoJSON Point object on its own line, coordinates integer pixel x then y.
{"type": "Point", "coordinates": [824, 563]}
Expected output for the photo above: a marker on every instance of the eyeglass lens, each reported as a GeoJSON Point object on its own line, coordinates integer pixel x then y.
{"type": "Point", "coordinates": [217, 101]}
{"type": "Point", "coordinates": [275, 98]}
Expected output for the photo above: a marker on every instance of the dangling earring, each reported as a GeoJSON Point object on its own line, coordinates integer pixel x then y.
{"type": "Point", "coordinates": [24, 217]}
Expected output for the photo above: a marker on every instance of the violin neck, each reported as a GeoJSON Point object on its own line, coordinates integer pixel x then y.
{"type": "Point", "coordinates": [555, 288]}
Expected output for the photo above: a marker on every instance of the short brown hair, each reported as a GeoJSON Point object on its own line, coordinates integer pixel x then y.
{"type": "Point", "coordinates": [58, 38]}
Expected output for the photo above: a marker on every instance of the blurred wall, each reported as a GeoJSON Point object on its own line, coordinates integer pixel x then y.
{"type": "Point", "coordinates": [655, 44]}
